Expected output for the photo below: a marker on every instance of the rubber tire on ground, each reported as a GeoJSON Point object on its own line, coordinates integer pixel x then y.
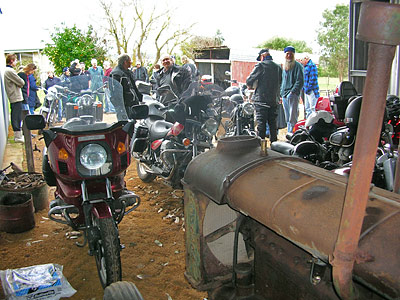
{"type": "Point", "coordinates": [122, 290]}
{"type": "Point", "coordinates": [108, 248]}
{"type": "Point", "coordinates": [142, 174]}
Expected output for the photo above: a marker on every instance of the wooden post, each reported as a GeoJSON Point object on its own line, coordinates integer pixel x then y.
{"type": "Point", "coordinates": [28, 144]}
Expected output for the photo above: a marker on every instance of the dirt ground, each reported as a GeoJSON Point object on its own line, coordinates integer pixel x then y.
{"type": "Point", "coordinates": [153, 235]}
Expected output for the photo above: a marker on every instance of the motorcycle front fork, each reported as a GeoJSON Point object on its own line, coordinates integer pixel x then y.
{"type": "Point", "coordinates": [91, 232]}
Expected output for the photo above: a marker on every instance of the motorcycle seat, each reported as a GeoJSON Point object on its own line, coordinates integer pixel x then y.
{"type": "Point", "coordinates": [159, 129]}
{"type": "Point", "coordinates": [282, 147]}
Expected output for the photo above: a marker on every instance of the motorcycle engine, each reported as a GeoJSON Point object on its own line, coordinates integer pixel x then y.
{"type": "Point", "coordinates": [344, 154]}
{"type": "Point", "coordinates": [168, 157]}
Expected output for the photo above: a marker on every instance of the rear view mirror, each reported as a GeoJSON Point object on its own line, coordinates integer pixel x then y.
{"type": "Point", "coordinates": [139, 112]}
{"type": "Point", "coordinates": [35, 122]}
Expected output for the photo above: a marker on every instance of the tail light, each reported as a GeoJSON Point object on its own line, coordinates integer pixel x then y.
{"type": "Point", "coordinates": [156, 144]}
{"type": "Point", "coordinates": [176, 129]}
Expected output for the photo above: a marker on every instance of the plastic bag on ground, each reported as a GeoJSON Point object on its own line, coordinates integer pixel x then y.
{"type": "Point", "coordinates": [36, 282]}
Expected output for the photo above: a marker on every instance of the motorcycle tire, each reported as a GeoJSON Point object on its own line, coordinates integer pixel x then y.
{"type": "Point", "coordinates": [107, 251]}
{"type": "Point", "coordinates": [143, 174]}
{"type": "Point", "coordinates": [122, 290]}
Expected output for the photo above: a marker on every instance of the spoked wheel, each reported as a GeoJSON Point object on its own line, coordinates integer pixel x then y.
{"type": "Point", "coordinates": [107, 251]}
{"type": "Point", "coordinates": [143, 174]}
{"type": "Point", "coordinates": [52, 114]}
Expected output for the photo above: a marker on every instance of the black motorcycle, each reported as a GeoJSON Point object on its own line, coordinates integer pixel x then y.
{"type": "Point", "coordinates": [331, 147]}
{"type": "Point", "coordinates": [165, 142]}
{"type": "Point", "coordinates": [241, 120]}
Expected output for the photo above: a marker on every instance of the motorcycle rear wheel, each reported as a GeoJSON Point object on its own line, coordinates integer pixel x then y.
{"type": "Point", "coordinates": [143, 174]}
{"type": "Point", "coordinates": [107, 252]}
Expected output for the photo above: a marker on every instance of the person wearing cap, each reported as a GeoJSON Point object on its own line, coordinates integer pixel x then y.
{"type": "Point", "coordinates": [292, 83]}
{"type": "Point", "coordinates": [311, 88]}
{"type": "Point", "coordinates": [268, 76]}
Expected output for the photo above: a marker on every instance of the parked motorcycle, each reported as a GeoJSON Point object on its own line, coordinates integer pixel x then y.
{"type": "Point", "coordinates": [83, 103]}
{"type": "Point", "coordinates": [51, 105]}
{"type": "Point", "coordinates": [86, 161]}
{"type": "Point", "coordinates": [335, 104]}
{"type": "Point", "coordinates": [241, 119]}
{"type": "Point", "coordinates": [330, 147]}
{"type": "Point", "coordinates": [164, 147]}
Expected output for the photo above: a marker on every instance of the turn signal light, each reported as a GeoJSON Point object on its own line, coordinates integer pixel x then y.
{"type": "Point", "coordinates": [186, 142]}
{"type": "Point", "coordinates": [76, 107]}
{"type": "Point", "coordinates": [121, 148]}
{"type": "Point", "coordinates": [63, 154]}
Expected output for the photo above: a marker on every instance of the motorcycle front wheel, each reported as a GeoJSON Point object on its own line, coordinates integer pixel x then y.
{"type": "Point", "coordinates": [143, 174]}
{"type": "Point", "coordinates": [107, 251]}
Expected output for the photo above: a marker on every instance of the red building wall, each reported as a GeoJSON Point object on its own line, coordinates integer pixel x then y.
{"type": "Point", "coordinates": [240, 70]}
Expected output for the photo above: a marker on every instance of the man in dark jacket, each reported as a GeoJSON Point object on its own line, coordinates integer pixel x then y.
{"type": "Point", "coordinates": [140, 73]}
{"type": "Point", "coordinates": [174, 76]}
{"type": "Point", "coordinates": [125, 77]}
{"type": "Point", "coordinates": [268, 76]}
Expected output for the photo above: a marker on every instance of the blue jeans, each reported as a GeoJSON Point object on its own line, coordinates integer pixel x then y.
{"type": "Point", "coordinates": [309, 103]}
{"type": "Point", "coordinates": [291, 107]}
{"type": "Point", "coordinates": [108, 106]}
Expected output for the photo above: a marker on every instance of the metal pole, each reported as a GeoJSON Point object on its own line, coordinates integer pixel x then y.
{"type": "Point", "coordinates": [379, 25]}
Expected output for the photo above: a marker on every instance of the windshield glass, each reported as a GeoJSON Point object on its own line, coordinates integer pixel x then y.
{"type": "Point", "coordinates": [83, 99]}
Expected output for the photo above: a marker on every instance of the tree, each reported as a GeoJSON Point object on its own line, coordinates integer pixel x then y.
{"type": "Point", "coordinates": [72, 43]}
{"type": "Point", "coordinates": [279, 43]}
{"type": "Point", "coordinates": [333, 37]}
{"type": "Point", "coordinates": [200, 42]}
{"type": "Point", "coordinates": [149, 27]}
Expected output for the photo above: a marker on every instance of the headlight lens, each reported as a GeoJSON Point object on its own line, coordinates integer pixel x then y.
{"type": "Point", "coordinates": [86, 100]}
{"type": "Point", "coordinates": [52, 94]}
{"type": "Point", "coordinates": [210, 127]}
{"type": "Point", "coordinates": [248, 109]}
{"type": "Point", "coordinates": [93, 156]}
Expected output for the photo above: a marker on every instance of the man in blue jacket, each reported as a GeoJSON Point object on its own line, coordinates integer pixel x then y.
{"type": "Point", "coordinates": [292, 83]}
{"type": "Point", "coordinates": [311, 88]}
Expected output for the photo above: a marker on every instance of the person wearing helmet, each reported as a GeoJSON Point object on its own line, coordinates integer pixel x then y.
{"type": "Point", "coordinates": [267, 75]}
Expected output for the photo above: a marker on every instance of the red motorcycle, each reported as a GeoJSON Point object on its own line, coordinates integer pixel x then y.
{"type": "Point", "coordinates": [86, 161]}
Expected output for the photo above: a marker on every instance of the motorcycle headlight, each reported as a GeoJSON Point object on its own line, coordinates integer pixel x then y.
{"type": "Point", "coordinates": [52, 94]}
{"type": "Point", "coordinates": [93, 156]}
{"type": "Point", "coordinates": [210, 127]}
{"type": "Point", "coordinates": [86, 100]}
{"type": "Point", "coordinates": [248, 109]}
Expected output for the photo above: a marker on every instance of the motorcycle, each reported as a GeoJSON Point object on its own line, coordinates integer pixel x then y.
{"type": "Point", "coordinates": [335, 104]}
{"type": "Point", "coordinates": [51, 104]}
{"type": "Point", "coordinates": [165, 142]}
{"type": "Point", "coordinates": [330, 147]}
{"type": "Point", "coordinates": [86, 161]}
{"type": "Point", "coordinates": [83, 103]}
{"type": "Point", "coordinates": [241, 119]}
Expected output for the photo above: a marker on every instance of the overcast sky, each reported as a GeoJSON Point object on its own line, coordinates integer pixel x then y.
{"type": "Point", "coordinates": [25, 23]}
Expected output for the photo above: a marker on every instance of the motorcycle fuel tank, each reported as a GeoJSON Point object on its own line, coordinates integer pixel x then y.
{"type": "Point", "coordinates": [295, 205]}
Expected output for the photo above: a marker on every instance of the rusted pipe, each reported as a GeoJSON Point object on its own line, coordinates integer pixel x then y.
{"type": "Point", "coordinates": [379, 25]}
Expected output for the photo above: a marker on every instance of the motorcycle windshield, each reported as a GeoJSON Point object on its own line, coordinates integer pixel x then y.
{"type": "Point", "coordinates": [86, 97]}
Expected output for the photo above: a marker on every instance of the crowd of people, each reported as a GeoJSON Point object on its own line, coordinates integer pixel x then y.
{"type": "Point", "coordinates": [274, 86]}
